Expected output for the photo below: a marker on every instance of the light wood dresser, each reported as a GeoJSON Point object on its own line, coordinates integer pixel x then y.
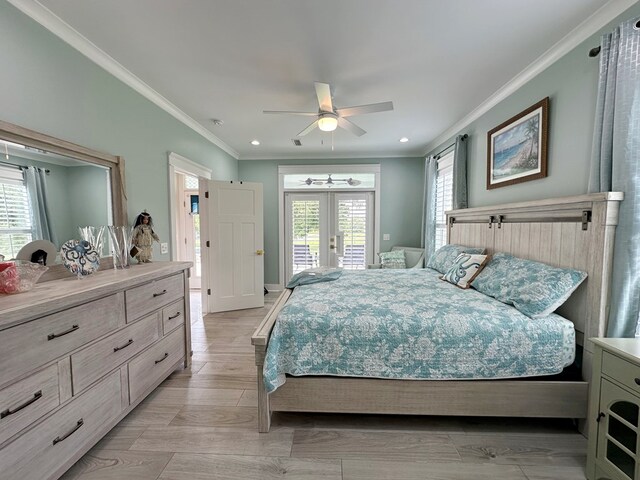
{"type": "Point", "coordinates": [614, 406]}
{"type": "Point", "coordinates": [77, 355]}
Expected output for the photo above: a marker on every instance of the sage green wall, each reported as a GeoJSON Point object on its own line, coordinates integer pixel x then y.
{"type": "Point", "coordinates": [401, 190]}
{"type": "Point", "coordinates": [571, 83]}
{"type": "Point", "coordinates": [48, 86]}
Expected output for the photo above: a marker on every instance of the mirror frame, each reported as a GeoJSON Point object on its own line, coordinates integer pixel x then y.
{"type": "Point", "coordinates": [115, 164]}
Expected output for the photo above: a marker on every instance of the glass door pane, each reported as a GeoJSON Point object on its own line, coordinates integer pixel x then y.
{"type": "Point", "coordinates": [305, 232]}
{"type": "Point", "coordinates": [352, 227]}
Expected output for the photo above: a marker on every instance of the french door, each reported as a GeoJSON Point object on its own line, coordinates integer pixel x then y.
{"type": "Point", "coordinates": [332, 229]}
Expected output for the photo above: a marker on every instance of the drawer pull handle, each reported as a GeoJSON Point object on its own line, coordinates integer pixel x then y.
{"type": "Point", "coordinates": [162, 359]}
{"type": "Point", "coordinates": [51, 336]}
{"type": "Point", "coordinates": [115, 349]}
{"type": "Point", "coordinates": [159, 294]}
{"type": "Point", "coordinates": [36, 396]}
{"type": "Point", "coordinates": [71, 432]}
{"type": "Point", "coordinates": [174, 316]}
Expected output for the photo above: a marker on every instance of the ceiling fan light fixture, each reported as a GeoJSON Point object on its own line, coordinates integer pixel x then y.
{"type": "Point", "coordinates": [328, 123]}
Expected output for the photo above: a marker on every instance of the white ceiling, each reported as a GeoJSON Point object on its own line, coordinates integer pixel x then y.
{"type": "Point", "coordinates": [436, 60]}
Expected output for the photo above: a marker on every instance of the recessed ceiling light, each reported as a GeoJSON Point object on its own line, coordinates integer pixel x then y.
{"type": "Point", "coordinates": [255, 143]}
{"type": "Point", "coordinates": [217, 122]}
{"type": "Point", "coordinates": [404, 140]}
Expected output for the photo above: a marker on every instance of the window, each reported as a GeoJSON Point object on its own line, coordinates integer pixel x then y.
{"type": "Point", "coordinates": [15, 216]}
{"type": "Point", "coordinates": [444, 197]}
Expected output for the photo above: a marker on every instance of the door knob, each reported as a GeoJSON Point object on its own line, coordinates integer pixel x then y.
{"type": "Point", "coordinates": [259, 252]}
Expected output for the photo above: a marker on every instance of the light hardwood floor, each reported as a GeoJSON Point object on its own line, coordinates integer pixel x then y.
{"type": "Point", "coordinates": [201, 424]}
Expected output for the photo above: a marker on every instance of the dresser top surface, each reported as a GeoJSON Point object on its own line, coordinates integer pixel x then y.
{"type": "Point", "coordinates": [56, 295]}
{"type": "Point", "coordinates": [628, 348]}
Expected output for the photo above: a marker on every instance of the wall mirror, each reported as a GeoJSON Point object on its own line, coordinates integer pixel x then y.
{"type": "Point", "coordinates": [81, 187]}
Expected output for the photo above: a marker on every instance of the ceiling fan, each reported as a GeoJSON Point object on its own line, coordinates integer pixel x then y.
{"type": "Point", "coordinates": [329, 118]}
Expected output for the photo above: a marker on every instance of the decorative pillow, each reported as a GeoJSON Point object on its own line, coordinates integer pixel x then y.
{"type": "Point", "coordinates": [392, 259]}
{"type": "Point", "coordinates": [443, 258]}
{"type": "Point", "coordinates": [314, 275]}
{"type": "Point", "coordinates": [465, 268]}
{"type": "Point", "coordinates": [534, 288]}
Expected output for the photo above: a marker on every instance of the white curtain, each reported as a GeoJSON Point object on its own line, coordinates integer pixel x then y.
{"type": "Point", "coordinates": [429, 206]}
{"type": "Point", "coordinates": [36, 181]}
{"type": "Point", "coordinates": [615, 166]}
{"type": "Point", "coordinates": [460, 173]}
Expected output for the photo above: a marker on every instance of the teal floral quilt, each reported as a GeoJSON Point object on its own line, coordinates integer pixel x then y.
{"type": "Point", "coordinates": [409, 324]}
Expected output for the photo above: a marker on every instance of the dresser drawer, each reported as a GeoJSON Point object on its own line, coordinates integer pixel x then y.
{"type": "Point", "coordinates": [151, 296]}
{"type": "Point", "coordinates": [173, 316]}
{"type": "Point", "coordinates": [41, 451]}
{"type": "Point", "coordinates": [26, 401]}
{"type": "Point", "coordinates": [26, 347]}
{"type": "Point", "coordinates": [621, 370]}
{"type": "Point", "coordinates": [90, 363]}
{"type": "Point", "coordinates": [152, 364]}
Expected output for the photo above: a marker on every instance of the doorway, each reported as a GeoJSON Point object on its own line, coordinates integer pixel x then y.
{"type": "Point", "coordinates": [188, 226]}
{"type": "Point", "coordinates": [184, 176]}
{"type": "Point", "coordinates": [328, 229]}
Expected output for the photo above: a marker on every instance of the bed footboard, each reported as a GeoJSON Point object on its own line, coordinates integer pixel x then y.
{"type": "Point", "coordinates": [260, 341]}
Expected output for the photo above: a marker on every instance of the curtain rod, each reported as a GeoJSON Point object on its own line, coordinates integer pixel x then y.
{"type": "Point", "coordinates": [20, 167]}
{"type": "Point", "coordinates": [464, 137]}
{"type": "Point", "coordinates": [595, 51]}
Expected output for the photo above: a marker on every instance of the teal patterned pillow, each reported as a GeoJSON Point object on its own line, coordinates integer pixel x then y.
{"type": "Point", "coordinates": [464, 269]}
{"type": "Point", "coordinates": [534, 288]}
{"type": "Point", "coordinates": [392, 259]}
{"type": "Point", "coordinates": [443, 258]}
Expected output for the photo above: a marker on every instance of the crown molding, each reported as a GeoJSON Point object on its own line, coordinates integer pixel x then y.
{"type": "Point", "coordinates": [583, 31]}
{"type": "Point", "coordinates": [57, 26]}
{"type": "Point", "coordinates": [333, 156]}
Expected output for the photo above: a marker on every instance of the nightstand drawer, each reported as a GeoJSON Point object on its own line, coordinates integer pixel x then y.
{"type": "Point", "coordinates": [173, 316]}
{"type": "Point", "coordinates": [151, 296]}
{"type": "Point", "coordinates": [155, 362]}
{"type": "Point", "coordinates": [621, 370]}
{"type": "Point", "coordinates": [48, 446]}
{"type": "Point", "coordinates": [33, 344]}
{"type": "Point", "coordinates": [91, 363]}
{"type": "Point", "coordinates": [26, 401]}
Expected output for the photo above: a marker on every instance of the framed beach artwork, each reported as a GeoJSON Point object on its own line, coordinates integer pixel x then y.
{"type": "Point", "coordinates": [517, 149]}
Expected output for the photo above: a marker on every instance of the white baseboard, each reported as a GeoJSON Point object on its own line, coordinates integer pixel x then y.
{"type": "Point", "coordinates": [274, 287]}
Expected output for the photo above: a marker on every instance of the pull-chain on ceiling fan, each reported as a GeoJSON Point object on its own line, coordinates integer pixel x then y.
{"type": "Point", "coordinates": [329, 117]}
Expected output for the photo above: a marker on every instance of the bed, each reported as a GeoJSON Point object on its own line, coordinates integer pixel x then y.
{"type": "Point", "coordinates": [576, 232]}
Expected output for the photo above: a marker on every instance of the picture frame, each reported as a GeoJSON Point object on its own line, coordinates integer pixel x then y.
{"type": "Point", "coordinates": [517, 148]}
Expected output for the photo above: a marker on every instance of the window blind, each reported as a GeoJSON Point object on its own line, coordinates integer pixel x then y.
{"type": "Point", "coordinates": [444, 197]}
{"type": "Point", "coordinates": [15, 212]}
{"type": "Point", "coordinates": [305, 223]}
{"type": "Point", "coordinates": [352, 222]}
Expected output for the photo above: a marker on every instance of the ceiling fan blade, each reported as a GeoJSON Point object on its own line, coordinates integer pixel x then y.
{"type": "Point", "coordinates": [350, 126]}
{"type": "Point", "coordinates": [285, 112]}
{"type": "Point", "coordinates": [362, 109]}
{"type": "Point", "coordinates": [308, 129]}
{"type": "Point", "coordinates": [323, 92]}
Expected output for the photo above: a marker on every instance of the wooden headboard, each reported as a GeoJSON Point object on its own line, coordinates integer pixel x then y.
{"type": "Point", "coordinates": [576, 232]}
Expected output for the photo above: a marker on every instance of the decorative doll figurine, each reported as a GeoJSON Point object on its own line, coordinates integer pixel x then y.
{"type": "Point", "coordinates": [143, 237]}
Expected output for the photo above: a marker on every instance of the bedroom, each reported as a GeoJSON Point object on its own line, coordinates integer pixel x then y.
{"type": "Point", "coordinates": [48, 86]}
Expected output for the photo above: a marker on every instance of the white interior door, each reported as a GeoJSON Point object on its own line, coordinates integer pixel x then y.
{"type": "Point", "coordinates": [328, 229]}
{"type": "Point", "coordinates": [234, 257]}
